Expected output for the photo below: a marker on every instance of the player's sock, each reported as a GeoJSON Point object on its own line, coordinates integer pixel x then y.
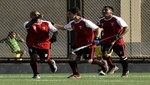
{"type": "Point", "coordinates": [52, 65]}
{"type": "Point", "coordinates": [110, 62]}
{"type": "Point", "coordinates": [125, 65]}
{"type": "Point", "coordinates": [34, 67]}
{"type": "Point", "coordinates": [73, 65]}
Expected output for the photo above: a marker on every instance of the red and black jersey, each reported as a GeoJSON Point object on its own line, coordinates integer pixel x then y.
{"type": "Point", "coordinates": [38, 35]}
{"type": "Point", "coordinates": [83, 34]}
{"type": "Point", "coordinates": [83, 30]}
{"type": "Point", "coordinates": [111, 27]}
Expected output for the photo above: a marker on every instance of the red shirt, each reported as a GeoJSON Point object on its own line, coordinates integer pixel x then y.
{"type": "Point", "coordinates": [38, 35]}
{"type": "Point", "coordinates": [83, 30]}
{"type": "Point", "coordinates": [83, 34]}
{"type": "Point", "coordinates": [112, 27]}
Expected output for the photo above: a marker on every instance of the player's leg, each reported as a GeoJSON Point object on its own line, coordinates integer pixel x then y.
{"type": "Point", "coordinates": [33, 61]}
{"type": "Point", "coordinates": [73, 64]}
{"type": "Point", "coordinates": [98, 55]}
{"type": "Point", "coordinates": [112, 67]}
{"type": "Point", "coordinates": [22, 52]}
{"type": "Point", "coordinates": [45, 57]}
{"type": "Point", "coordinates": [120, 51]}
{"type": "Point", "coordinates": [88, 53]}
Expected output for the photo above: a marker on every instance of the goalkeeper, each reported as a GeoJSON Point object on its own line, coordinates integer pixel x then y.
{"type": "Point", "coordinates": [12, 42]}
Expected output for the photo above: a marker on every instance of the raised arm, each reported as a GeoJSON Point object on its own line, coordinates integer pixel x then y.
{"type": "Point", "coordinates": [59, 27]}
{"type": "Point", "coordinates": [20, 38]}
{"type": "Point", "coordinates": [3, 40]}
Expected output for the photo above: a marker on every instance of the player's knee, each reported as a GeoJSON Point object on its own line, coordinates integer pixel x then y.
{"type": "Point", "coordinates": [72, 57]}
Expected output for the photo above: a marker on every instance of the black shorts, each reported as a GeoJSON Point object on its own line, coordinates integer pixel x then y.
{"type": "Point", "coordinates": [42, 53]}
{"type": "Point", "coordinates": [87, 53]}
{"type": "Point", "coordinates": [118, 49]}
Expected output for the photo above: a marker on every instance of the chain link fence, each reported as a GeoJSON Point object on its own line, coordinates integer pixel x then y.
{"type": "Point", "coordinates": [137, 39]}
{"type": "Point", "coordinates": [15, 12]}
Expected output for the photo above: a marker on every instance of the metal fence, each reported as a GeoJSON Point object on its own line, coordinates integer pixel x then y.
{"type": "Point", "coordinates": [135, 12]}
{"type": "Point", "coordinates": [15, 12]}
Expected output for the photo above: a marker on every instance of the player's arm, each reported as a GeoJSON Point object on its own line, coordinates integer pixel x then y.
{"type": "Point", "coordinates": [98, 32]}
{"type": "Point", "coordinates": [96, 29]}
{"type": "Point", "coordinates": [32, 21]}
{"type": "Point", "coordinates": [20, 38]}
{"type": "Point", "coordinates": [59, 27]}
{"type": "Point", "coordinates": [66, 27]}
{"type": "Point", "coordinates": [124, 30]}
{"type": "Point", "coordinates": [3, 40]}
{"type": "Point", "coordinates": [54, 31]}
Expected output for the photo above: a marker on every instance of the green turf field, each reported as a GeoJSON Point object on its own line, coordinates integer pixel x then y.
{"type": "Point", "coordinates": [86, 79]}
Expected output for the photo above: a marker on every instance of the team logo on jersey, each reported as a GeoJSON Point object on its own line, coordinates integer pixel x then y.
{"type": "Point", "coordinates": [43, 28]}
{"type": "Point", "coordinates": [80, 27]}
{"type": "Point", "coordinates": [112, 24]}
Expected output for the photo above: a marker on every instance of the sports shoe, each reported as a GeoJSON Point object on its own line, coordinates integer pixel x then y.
{"type": "Point", "coordinates": [102, 73]}
{"type": "Point", "coordinates": [125, 74]}
{"type": "Point", "coordinates": [74, 76]}
{"type": "Point", "coordinates": [37, 76]}
{"type": "Point", "coordinates": [112, 70]}
{"type": "Point", "coordinates": [53, 66]}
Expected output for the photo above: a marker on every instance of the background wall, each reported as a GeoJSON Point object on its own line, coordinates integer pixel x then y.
{"type": "Point", "coordinates": [135, 12]}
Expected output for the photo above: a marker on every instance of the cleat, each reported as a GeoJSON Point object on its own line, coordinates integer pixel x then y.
{"type": "Point", "coordinates": [112, 70]}
{"type": "Point", "coordinates": [74, 76]}
{"type": "Point", "coordinates": [102, 73]}
{"type": "Point", "coordinates": [53, 66]}
{"type": "Point", "coordinates": [37, 76]}
{"type": "Point", "coordinates": [125, 74]}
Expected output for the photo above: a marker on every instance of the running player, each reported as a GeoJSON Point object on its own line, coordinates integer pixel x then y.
{"type": "Point", "coordinates": [38, 41]}
{"type": "Point", "coordinates": [84, 34]}
{"type": "Point", "coordinates": [114, 25]}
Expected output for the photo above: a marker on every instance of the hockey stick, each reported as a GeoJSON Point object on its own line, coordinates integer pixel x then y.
{"type": "Point", "coordinates": [85, 46]}
{"type": "Point", "coordinates": [110, 48]}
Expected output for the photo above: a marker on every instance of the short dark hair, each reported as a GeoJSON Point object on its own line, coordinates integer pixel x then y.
{"type": "Point", "coordinates": [109, 7]}
{"type": "Point", "coordinates": [75, 10]}
{"type": "Point", "coordinates": [10, 33]}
